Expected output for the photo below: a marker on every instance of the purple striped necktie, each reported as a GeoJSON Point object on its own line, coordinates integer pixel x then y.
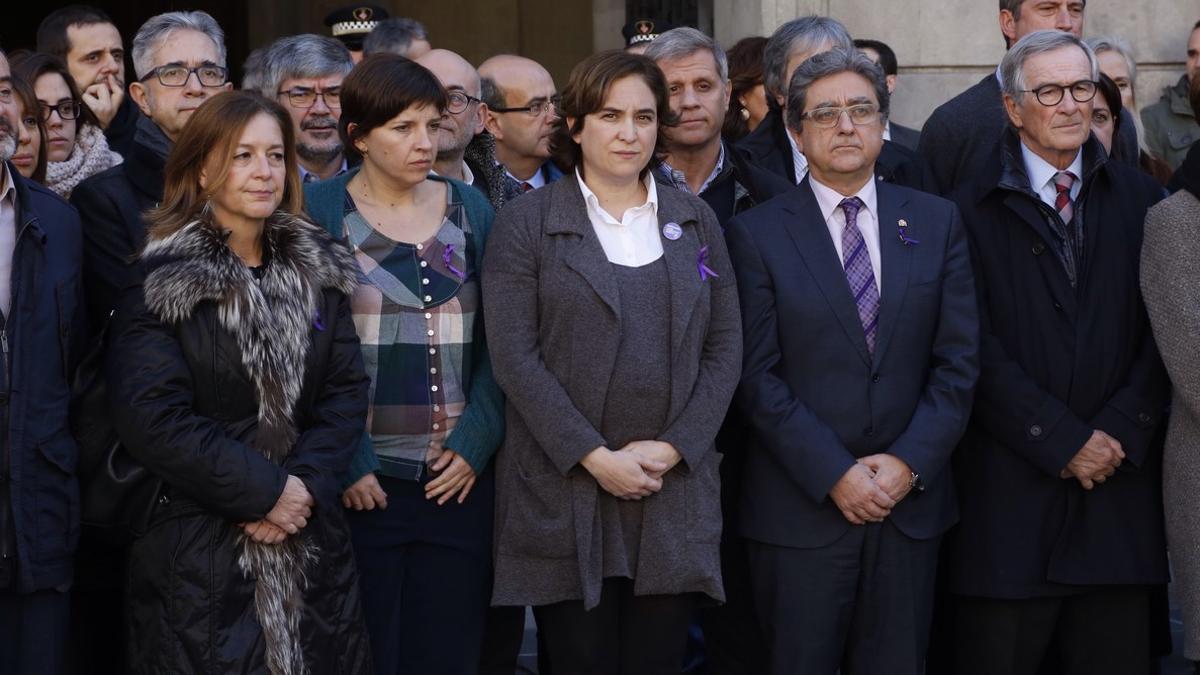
{"type": "Point", "coordinates": [857, 264]}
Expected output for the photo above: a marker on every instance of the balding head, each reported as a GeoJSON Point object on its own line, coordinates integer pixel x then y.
{"type": "Point", "coordinates": [522, 136]}
{"type": "Point", "coordinates": [465, 114]}
{"type": "Point", "coordinates": [452, 69]}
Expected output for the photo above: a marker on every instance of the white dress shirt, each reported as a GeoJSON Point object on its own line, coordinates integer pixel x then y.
{"type": "Point", "coordinates": [8, 236]}
{"type": "Point", "coordinates": [537, 180]}
{"type": "Point", "coordinates": [828, 200]}
{"type": "Point", "coordinates": [633, 240]}
{"type": "Point", "coordinates": [1041, 175]}
{"type": "Point", "coordinates": [799, 161]}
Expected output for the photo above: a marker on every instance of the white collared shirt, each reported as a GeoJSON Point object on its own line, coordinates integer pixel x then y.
{"type": "Point", "coordinates": [799, 161]}
{"type": "Point", "coordinates": [537, 180]}
{"type": "Point", "coordinates": [887, 131]}
{"type": "Point", "coordinates": [8, 235]}
{"type": "Point", "coordinates": [1041, 175]}
{"type": "Point", "coordinates": [468, 176]}
{"type": "Point", "coordinates": [633, 240]}
{"type": "Point", "coordinates": [828, 200]}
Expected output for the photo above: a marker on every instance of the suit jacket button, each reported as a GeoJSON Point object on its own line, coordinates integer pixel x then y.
{"type": "Point", "coordinates": [1038, 248]}
{"type": "Point", "coordinates": [1143, 418]}
{"type": "Point", "coordinates": [875, 377]}
{"type": "Point", "coordinates": [1035, 430]}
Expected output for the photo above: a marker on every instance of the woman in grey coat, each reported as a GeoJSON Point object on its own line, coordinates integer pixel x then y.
{"type": "Point", "coordinates": [612, 316]}
{"type": "Point", "coordinates": [1171, 288]}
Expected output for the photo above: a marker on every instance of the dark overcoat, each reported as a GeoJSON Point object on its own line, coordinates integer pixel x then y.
{"type": "Point", "coordinates": [1059, 360]}
{"type": "Point", "coordinates": [554, 328]}
{"type": "Point", "coordinates": [223, 386]}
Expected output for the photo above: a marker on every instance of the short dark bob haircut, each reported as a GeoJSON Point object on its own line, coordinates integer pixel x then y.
{"type": "Point", "coordinates": [381, 87]}
{"type": "Point", "coordinates": [587, 89]}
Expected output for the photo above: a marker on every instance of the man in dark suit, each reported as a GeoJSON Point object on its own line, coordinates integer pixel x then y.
{"type": "Point", "coordinates": [885, 58]}
{"type": "Point", "coordinates": [1060, 470]}
{"type": "Point", "coordinates": [957, 139]}
{"type": "Point", "coordinates": [861, 354]}
{"type": "Point", "coordinates": [771, 147]}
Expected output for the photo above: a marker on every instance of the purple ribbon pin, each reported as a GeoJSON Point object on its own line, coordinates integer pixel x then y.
{"type": "Point", "coordinates": [702, 265]}
{"type": "Point", "coordinates": [902, 230]}
{"type": "Point", "coordinates": [447, 254]}
{"type": "Point", "coordinates": [317, 322]}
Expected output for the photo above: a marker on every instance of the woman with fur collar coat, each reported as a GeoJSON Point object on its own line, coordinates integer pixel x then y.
{"type": "Point", "coordinates": [236, 377]}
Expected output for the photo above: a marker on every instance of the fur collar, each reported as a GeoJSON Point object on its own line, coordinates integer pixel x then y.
{"type": "Point", "coordinates": [271, 320]}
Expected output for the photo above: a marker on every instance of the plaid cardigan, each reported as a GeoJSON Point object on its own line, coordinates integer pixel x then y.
{"type": "Point", "coordinates": [480, 429]}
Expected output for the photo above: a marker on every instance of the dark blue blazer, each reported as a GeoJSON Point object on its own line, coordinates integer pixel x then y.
{"type": "Point", "coordinates": [816, 398]}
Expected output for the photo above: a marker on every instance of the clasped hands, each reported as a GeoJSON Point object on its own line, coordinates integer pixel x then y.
{"type": "Point", "coordinates": [869, 491]}
{"type": "Point", "coordinates": [633, 472]}
{"type": "Point", "coordinates": [1096, 460]}
{"type": "Point", "coordinates": [290, 515]}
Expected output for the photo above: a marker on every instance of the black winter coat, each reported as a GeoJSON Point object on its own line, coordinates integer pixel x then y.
{"type": "Point", "coordinates": [1058, 361]}
{"type": "Point", "coordinates": [199, 392]}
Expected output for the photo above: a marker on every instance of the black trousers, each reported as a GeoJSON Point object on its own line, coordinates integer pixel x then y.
{"type": "Point", "coordinates": [733, 642]}
{"type": "Point", "coordinates": [426, 577]}
{"type": "Point", "coordinates": [1102, 632]}
{"type": "Point", "coordinates": [624, 635]}
{"type": "Point", "coordinates": [859, 606]}
{"type": "Point", "coordinates": [33, 632]}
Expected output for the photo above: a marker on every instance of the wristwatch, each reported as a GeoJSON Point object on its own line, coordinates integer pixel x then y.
{"type": "Point", "coordinates": [915, 483]}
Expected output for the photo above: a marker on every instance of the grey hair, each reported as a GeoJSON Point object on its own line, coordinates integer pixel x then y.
{"type": "Point", "coordinates": [1118, 45]}
{"type": "Point", "coordinates": [679, 43]}
{"type": "Point", "coordinates": [252, 69]}
{"type": "Point", "coordinates": [830, 63]}
{"type": "Point", "coordinates": [1012, 68]}
{"type": "Point", "coordinates": [304, 55]}
{"type": "Point", "coordinates": [805, 33]}
{"type": "Point", "coordinates": [158, 28]}
{"type": "Point", "coordinates": [394, 35]}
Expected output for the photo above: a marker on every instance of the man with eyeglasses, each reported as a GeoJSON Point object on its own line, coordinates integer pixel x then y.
{"type": "Point", "coordinates": [521, 116]}
{"type": "Point", "coordinates": [41, 340]}
{"type": "Point", "coordinates": [861, 355]}
{"type": "Point", "coordinates": [1061, 529]}
{"type": "Point", "coordinates": [464, 152]}
{"type": "Point", "coordinates": [305, 73]}
{"type": "Point", "coordinates": [180, 62]}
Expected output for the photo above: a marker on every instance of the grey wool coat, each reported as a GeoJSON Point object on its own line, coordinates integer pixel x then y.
{"type": "Point", "coordinates": [553, 316]}
{"type": "Point", "coordinates": [1171, 289]}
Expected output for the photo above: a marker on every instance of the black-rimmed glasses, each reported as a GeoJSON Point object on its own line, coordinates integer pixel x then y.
{"type": "Point", "coordinates": [1052, 94]}
{"type": "Point", "coordinates": [457, 101]}
{"type": "Point", "coordinates": [177, 76]}
{"type": "Point", "coordinates": [534, 109]}
{"type": "Point", "coordinates": [67, 110]}
{"type": "Point", "coordinates": [302, 97]}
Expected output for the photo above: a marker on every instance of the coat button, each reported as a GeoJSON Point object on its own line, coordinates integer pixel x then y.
{"type": "Point", "coordinates": [875, 377]}
{"type": "Point", "coordinates": [1058, 305]}
{"type": "Point", "coordinates": [1038, 248]}
{"type": "Point", "coordinates": [1143, 418]}
{"type": "Point", "coordinates": [1035, 430]}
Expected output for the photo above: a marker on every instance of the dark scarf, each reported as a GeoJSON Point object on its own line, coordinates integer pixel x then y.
{"type": "Point", "coordinates": [1189, 172]}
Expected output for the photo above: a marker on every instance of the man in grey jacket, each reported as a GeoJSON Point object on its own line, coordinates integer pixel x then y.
{"type": "Point", "coordinates": [1171, 126]}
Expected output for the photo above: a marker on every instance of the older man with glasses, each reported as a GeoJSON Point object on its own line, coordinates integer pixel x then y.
{"type": "Point", "coordinates": [1061, 530]}
{"type": "Point", "coordinates": [522, 114]}
{"type": "Point", "coordinates": [305, 73]}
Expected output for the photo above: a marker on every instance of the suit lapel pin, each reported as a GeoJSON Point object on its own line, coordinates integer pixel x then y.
{"type": "Point", "coordinates": [672, 231]}
{"type": "Point", "coordinates": [902, 230]}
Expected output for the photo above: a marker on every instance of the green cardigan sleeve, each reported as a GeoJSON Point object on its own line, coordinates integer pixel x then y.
{"type": "Point", "coordinates": [480, 429]}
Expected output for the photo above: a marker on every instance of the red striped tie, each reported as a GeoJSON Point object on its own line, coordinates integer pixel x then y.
{"type": "Point", "coordinates": [1062, 202]}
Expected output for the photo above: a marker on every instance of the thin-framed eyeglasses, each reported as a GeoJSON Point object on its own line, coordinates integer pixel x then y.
{"type": "Point", "coordinates": [1052, 94]}
{"type": "Point", "coordinates": [67, 110]}
{"type": "Point", "coordinates": [534, 109]}
{"type": "Point", "coordinates": [303, 97]}
{"type": "Point", "coordinates": [174, 75]}
{"type": "Point", "coordinates": [457, 101]}
{"type": "Point", "coordinates": [860, 115]}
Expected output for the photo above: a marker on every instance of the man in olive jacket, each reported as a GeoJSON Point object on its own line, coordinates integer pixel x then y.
{"type": "Point", "coordinates": [1171, 125]}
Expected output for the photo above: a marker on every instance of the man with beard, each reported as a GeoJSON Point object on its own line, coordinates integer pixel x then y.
{"type": "Point", "coordinates": [464, 152]}
{"type": "Point", "coordinates": [41, 325]}
{"type": "Point", "coordinates": [86, 39]}
{"type": "Point", "coordinates": [522, 114]}
{"type": "Point", "coordinates": [305, 73]}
